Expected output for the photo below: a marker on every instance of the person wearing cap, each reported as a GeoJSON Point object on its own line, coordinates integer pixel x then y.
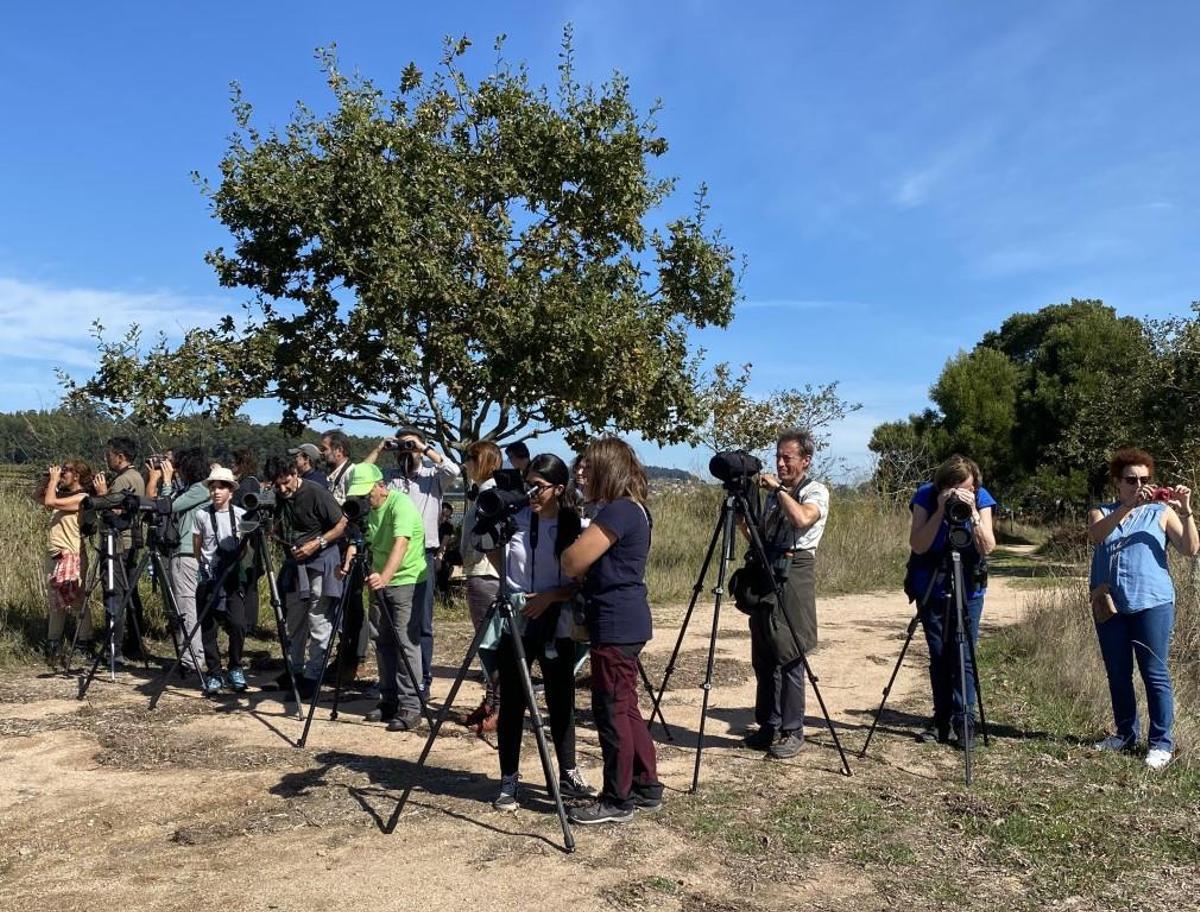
{"type": "Point", "coordinates": [396, 536]}
{"type": "Point", "coordinates": [224, 579]}
{"type": "Point", "coordinates": [425, 476]}
{"type": "Point", "coordinates": [307, 458]}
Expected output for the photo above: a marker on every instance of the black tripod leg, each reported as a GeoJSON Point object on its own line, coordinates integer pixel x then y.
{"type": "Point", "coordinates": [539, 735]}
{"type": "Point", "coordinates": [912, 628]}
{"type": "Point", "coordinates": [443, 714]}
{"type": "Point", "coordinates": [687, 617]}
{"type": "Point", "coordinates": [334, 637]}
{"type": "Point", "coordinates": [179, 623]}
{"type": "Point", "coordinates": [960, 638]}
{"type": "Point", "coordinates": [111, 607]}
{"type": "Point", "coordinates": [727, 534]}
{"type": "Point", "coordinates": [978, 689]}
{"type": "Point", "coordinates": [655, 709]}
{"type": "Point", "coordinates": [262, 549]}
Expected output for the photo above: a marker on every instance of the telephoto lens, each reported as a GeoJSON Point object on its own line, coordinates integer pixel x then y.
{"type": "Point", "coordinates": [958, 511]}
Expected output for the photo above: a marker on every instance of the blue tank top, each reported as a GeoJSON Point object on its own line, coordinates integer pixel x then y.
{"type": "Point", "coordinates": [1133, 560]}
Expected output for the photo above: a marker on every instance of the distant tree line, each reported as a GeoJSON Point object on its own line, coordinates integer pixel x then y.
{"type": "Point", "coordinates": [1042, 401]}
{"type": "Point", "coordinates": [37, 438]}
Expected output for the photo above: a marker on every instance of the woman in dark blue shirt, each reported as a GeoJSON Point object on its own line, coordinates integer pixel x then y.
{"type": "Point", "coordinates": [610, 556]}
{"type": "Point", "coordinates": [957, 480]}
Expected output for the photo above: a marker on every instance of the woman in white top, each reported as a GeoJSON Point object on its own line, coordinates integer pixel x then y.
{"type": "Point", "coordinates": [544, 529]}
{"type": "Point", "coordinates": [224, 580]}
{"type": "Point", "coordinates": [481, 459]}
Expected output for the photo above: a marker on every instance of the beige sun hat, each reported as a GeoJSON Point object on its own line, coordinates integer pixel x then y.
{"type": "Point", "coordinates": [220, 473]}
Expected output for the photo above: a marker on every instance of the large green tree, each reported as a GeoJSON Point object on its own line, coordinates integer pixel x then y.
{"type": "Point", "coordinates": [475, 258]}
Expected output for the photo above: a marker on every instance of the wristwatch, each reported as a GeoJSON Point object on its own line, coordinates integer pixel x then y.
{"type": "Point", "coordinates": [321, 543]}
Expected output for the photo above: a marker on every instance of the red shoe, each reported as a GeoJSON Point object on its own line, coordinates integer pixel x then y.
{"type": "Point", "coordinates": [491, 721]}
{"type": "Point", "coordinates": [475, 718]}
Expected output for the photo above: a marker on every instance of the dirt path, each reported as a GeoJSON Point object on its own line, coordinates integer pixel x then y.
{"type": "Point", "coordinates": [207, 804]}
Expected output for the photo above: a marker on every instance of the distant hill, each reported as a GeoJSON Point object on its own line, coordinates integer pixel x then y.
{"type": "Point", "coordinates": [661, 473]}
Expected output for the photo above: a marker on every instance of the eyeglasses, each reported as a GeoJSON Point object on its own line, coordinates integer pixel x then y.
{"type": "Point", "coordinates": [1138, 480]}
{"type": "Point", "coordinates": [541, 486]}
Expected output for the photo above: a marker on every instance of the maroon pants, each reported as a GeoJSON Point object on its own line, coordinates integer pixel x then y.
{"type": "Point", "coordinates": [628, 751]}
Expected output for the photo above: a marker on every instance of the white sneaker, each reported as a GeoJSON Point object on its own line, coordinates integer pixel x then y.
{"type": "Point", "coordinates": [1112, 743]}
{"type": "Point", "coordinates": [1158, 759]}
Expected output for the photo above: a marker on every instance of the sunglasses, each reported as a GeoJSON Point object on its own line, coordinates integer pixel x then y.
{"type": "Point", "coordinates": [1138, 480]}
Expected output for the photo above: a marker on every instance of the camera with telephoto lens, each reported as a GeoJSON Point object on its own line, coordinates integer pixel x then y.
{"type": "Point", "coordinates": [958, 515]}
{"type": "Point", "coordinates": [496, 505]}
{"type": "Point", "coordinates": [734, 466]}
{"type": "Point", "coordinates": [259, 500]}
{"type": "Point", "coordinates": [355, 509]}
{"type": "Point", "coordinates": [401, 446]}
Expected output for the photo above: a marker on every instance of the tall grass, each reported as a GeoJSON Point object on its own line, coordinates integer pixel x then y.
{"type": "Point", "coordinates": [863, 548]}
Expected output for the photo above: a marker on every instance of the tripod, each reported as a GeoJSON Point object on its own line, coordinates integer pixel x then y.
{"type": "Point", "coordinates": [114, 607]}
{"type": "Point", "coordinates": [955, 611]}
{"type": "Point", "coordinates": [358, 566]}
{"type": "Point", "coordinates": [502, 606]}
{"type": "Point", "coordinates": [91, 580]}
{"type": "Point", "coordinates": [735, 504]}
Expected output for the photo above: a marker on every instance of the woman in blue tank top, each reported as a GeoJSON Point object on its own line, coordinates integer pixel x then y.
{"type": "Point", "coordinates": [1130, 535]}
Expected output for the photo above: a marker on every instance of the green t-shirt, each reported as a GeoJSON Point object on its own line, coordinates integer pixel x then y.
{"type": "Point", "coordinates": [397, 517]}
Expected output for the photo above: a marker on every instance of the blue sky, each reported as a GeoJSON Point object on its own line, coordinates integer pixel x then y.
{"type": "Point", "coordinates": [900, 177]}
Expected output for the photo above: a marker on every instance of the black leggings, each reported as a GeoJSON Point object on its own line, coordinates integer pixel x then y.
{"type": "Point", "coordinates": [232, 618]}
{"type": "Point", "coordinates": [559, 677]}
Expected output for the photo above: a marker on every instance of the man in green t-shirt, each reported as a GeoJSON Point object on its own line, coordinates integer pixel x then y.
{"type": "Point", "coordinates": [396, 536]}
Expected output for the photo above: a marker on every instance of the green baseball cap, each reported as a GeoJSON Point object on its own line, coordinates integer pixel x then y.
{"type": "Point", "coordinates": [363, 477]}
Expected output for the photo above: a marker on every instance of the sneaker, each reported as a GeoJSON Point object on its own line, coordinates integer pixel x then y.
{"type": "Point", "coordinates": [507, 799]}
{"type": "Point", "coordinates": [237, 680]}
{"type": "Point", "coordinates": [599, 812]}
{"type": "Point", "coordinates": [384, 712]}
{"type": "Point", "coordinates": [761, 739]}
{"type": "Point", "coordinates": [647, 801]}
{"type": "Point", "coordinates": [934, 732]}
{"type": "Point", "coordinates": [571, 784]}
{"type": "Point", "coordinates": [404, 722]}
{"type": "Point", "coordinates": [1113, 743]}
{"type": "Point", "coordinates": [962, 732]}
{"type": "Point", "coordinates": [1157, 758]}
{"type": "Point", "coordinates": [212, 685]}
{"type": "Point", "coordinates": [788, 745]}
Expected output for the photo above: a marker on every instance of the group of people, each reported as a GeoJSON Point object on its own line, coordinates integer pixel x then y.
{"type": "Point", "coordinates": [575, 562]}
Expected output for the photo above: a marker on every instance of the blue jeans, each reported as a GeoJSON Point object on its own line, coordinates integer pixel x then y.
{"type": "Point", "coordinates": [1146, 635]}
{"type": "Point", "coordinates": [944, 672]}
{"type": "Point", "coordinates": [423, 608]}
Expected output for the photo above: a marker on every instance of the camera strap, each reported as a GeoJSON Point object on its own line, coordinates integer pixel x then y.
{"type": "Point", "coordinates": [233, 523]}
{"type": "Point", "coordinates": [771, 536]}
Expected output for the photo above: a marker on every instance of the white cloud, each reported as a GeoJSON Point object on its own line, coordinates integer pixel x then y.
{"type": "Point", "coordinates": [44, 323]}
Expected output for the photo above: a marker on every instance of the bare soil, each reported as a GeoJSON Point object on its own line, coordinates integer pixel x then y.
{"type": "Point", "coordinates": [208, 803]}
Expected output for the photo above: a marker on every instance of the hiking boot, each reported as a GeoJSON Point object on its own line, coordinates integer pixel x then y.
{"type": "Point", "coordinates": [761, 739]}
{"type": "Point", "coordinates": [404, 722]}
{"type": "Point", "coordinates": [237, 680]}
{"type": "Point", "coordinates": [934, 732]}
{"type": "Point", "coordinates": [599, 812]}
{"type": "Point", "coordinates": [788, 745]}
{"type": "Point", "coordinates": [384, 712]}
{"type": "Point", "coordinates": [507, 799]}
{"type": "Point", "coordinates": [964, 731]}
{"type": "Point", "coordinates": [571, 784]}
